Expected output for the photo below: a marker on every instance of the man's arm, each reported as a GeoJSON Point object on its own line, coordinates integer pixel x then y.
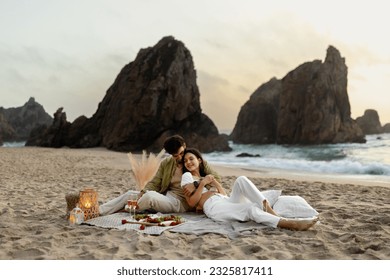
{"type": "Point", "coordinates": [155, 183]}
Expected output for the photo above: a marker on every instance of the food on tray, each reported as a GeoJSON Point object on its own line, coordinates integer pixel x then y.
{"type": "Point", "coordinates": [155, 220]}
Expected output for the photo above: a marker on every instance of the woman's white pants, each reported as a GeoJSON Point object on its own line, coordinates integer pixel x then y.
{"type": "Point", "coordinates": [244, 204]}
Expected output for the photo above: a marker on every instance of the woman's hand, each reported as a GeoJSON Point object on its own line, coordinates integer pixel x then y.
{"type": "Point", "coordinates": [208, 179]}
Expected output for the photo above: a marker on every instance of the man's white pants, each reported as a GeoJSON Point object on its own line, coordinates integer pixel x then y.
{"type": "Point", "coordinates": [151, 199]}
{"type": "Point", "coordinates": [244, 204]}
{"type": "Point", "coordinates": [161, 203]}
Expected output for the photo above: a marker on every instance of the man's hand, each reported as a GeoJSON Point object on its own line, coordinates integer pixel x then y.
{"type": "Point", "coordinates": [189, 189]}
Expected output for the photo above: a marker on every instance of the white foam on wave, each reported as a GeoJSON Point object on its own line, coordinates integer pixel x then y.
{"type": "Point", "coordinates": [13, 144]}
{"type": "Point", "coordinates": [372, 158]}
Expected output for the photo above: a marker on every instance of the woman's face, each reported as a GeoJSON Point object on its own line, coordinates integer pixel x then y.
{"type": "Point", "coordinates": [191, 162]}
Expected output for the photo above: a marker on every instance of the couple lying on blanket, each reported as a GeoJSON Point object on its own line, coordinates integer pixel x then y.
{"type": "Point", "coordinates": [194, 185]}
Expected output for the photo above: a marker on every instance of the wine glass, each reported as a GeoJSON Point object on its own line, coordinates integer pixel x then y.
{"type": "Point", "coordinates": [132, 203]}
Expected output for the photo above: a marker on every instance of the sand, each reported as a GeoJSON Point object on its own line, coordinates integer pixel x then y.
{"type": "Point", "coordinates": [355, 218]}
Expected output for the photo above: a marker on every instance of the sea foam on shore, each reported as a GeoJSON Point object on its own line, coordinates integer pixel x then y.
{"type": "Point", "coordinates": [369, 161]}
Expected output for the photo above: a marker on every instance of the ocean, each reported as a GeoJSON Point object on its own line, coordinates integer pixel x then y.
{"type": "Point", "coordinates": [370, 160]}
{"type": "Point", "coordinates": [13, 144]}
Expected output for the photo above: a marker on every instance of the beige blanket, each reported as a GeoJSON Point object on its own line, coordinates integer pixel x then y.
{"type": "Point", "coordinates": [193, 224]}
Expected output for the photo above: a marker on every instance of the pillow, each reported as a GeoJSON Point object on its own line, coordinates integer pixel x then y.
{"type": "Point", "coordinates": [294, 207]}
{"type": "Point", "coordinates": [271, 196]}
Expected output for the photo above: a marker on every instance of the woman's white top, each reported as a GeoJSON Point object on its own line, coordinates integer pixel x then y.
{"type": "Point", "coordinates": [187, 178]}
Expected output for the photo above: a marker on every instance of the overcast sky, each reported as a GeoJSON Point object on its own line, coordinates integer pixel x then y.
{"type": "Point", "coordinates": [68, 53]}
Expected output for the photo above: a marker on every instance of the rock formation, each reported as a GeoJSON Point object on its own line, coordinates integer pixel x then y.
{"type": "Point", "coordinates": [53, 134]}
{"type": "Point", "coordinates": [386, 128]}
{"type": "Point", "coordinates": [369, 122]}
{"type": "Point", "coordinates": [257, 119]}
{"type": "Point", "coordinates": [314, 105]}
{"type": "Point", "coordinates": [22, 120]}
{"type": "Point", "coordinates": [153, 97]}
{"type": "Point", "coordinates": [7, 133]}
{"type": "Point", "coordinates": [309, 105]}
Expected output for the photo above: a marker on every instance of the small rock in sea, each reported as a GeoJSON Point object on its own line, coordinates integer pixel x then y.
{"type": "Point", "coordinates": [247, 155]}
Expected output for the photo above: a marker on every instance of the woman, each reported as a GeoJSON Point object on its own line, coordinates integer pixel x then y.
{"type": "Point", "coordinates": [245, 203]}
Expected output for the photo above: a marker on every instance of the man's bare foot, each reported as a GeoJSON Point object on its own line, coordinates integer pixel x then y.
{"type": "Point", "coordinates": [293, 224]}
{"type": "Point", "coordinates": [267, 208]}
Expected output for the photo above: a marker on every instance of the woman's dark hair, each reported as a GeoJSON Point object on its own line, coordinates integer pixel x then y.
{"type": "Point", "coordinates": [198, 155]}
{"type": "Point", "coordinates": [173, 144]}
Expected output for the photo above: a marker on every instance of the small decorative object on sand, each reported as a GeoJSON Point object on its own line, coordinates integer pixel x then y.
{"type": "Point", "coordinates": [89, 203]}
{"type": "Point", "coordinates": [76, 216]}
{"type": "Point", "coordinates": [143, 170]}
{"type": "Point", "coordinates": [72, 199]}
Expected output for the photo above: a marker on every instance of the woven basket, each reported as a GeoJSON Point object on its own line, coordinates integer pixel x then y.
{"type": "Point", "coordinates": [72, 199]}
{"type": "Point", "coordinates": [89, 203]}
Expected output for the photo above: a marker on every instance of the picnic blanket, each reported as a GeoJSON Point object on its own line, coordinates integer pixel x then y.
{"type": "Point", "coordinates": [193, 224]}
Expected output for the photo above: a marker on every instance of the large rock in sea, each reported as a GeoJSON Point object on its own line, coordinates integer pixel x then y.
{"type": "Point", "coordinates": [370, 123]}
{"type": "Point", "coordinates": [257, 119]}
{"type": "Point", "coordinates": [153, 97]}
{"type": "Point", "coordinates": [22, 120]}
{"type": "Point", "coordinates": [386, 128]}
{"type": "Point", "coordinates": [313, 107]}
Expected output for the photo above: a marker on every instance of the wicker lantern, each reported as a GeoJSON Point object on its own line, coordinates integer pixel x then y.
{"type": "Point", "coordinates": [89, 203]}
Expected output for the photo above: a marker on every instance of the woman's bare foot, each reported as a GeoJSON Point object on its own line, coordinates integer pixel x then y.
{"type": "Point", "coordinates": [267, 208]}
{"type": "Point", "coordinates": [293, 224]}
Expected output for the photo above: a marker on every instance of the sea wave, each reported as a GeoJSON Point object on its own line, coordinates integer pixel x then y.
{"type": "Point", "coordinates": [13, 144]}
{"type": "Point", "coordinates": [371, 158]}
{"type": "Point", "coordinates": [339, 167]}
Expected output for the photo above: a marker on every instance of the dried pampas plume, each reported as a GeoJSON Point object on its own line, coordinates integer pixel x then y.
{"type": "Point", "coordinates": [144, 169]}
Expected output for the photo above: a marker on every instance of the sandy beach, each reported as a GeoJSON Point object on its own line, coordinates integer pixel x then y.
{"type": "Point", "coordinates": [354, 217]}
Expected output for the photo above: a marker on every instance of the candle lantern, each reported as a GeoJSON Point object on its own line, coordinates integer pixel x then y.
{"type": "Point", "coordinates": [76, 216]}
{"type": "Point", "coordinates": [89, 203]}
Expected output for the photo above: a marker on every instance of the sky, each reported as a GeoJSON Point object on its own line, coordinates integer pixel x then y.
{"type": "Point", "coordinates": [67, 53]}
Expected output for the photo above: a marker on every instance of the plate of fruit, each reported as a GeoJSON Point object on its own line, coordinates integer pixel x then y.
{"type": "Point", "coordinates": [155, 220]}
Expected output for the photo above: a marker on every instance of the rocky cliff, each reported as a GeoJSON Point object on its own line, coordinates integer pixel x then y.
{"type": "Point", "coordinates": [152, 97]}
{"type": "Point", "coordinates": [386, 128]}
{"type": "Point", "coordinates": [313, 107]}
{"type": "Point", "coordinates": [257, 119]}
{"type": "Point", "coordinates": [17, 123]}
{"type": "Point", "coordinates": [369, 122]}
{"type": "Point", "coordinates": [7, 133]}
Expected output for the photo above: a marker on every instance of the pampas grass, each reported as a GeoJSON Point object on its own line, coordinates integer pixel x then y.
{"type": "Point", "coordinates": [144, 169]}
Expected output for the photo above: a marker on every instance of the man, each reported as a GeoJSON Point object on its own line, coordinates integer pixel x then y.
{"type": "Point", "coordinates": [163, 193]}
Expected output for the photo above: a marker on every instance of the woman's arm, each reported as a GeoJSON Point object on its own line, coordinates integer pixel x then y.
{"type": "Point", "coordinates": [194, 198]}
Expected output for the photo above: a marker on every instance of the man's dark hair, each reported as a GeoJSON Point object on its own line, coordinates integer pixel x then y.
{"type": "Point", "coordinates": [173, 143]}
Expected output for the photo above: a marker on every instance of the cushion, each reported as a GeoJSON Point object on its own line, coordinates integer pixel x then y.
{"type": "Point", "coordinates": [272, 196]}
{"type": "Point", "coordinates": [294, 207]}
